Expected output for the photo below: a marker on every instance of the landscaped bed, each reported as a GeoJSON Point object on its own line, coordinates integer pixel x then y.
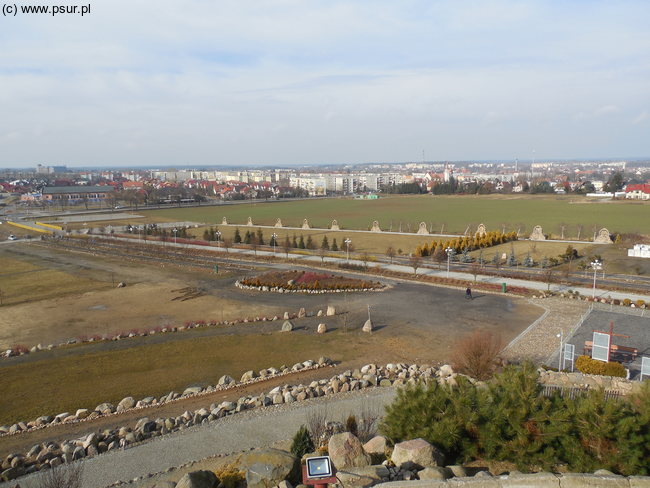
{"type": "Point", "coordinates": [308, 281]}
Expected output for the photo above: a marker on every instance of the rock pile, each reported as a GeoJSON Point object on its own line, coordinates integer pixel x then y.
{"type": "Point", "coordinates": [50, 454]}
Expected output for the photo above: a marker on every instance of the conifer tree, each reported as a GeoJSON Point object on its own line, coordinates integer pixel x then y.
{"type": "Point", "coordinates": [325, 244]}
{"type": "Point", "coordinates": [237, 238]}
{"type": "Point", "coordinates": [335, 246]}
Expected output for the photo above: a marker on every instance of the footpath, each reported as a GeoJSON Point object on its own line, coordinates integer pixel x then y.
{"type": "Point", "coordinates": [308, 260]}
{"type": "Point", "coordinates": [249, 429]}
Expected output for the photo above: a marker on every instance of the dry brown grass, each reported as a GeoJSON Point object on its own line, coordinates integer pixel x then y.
{"type": "Point", "coordinates": [67, 382]}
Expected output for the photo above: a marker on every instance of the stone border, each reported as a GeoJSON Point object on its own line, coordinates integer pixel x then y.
{"type": "Point", "coordinates": [102, 410]}
{"type": "Point", "coordinates": [190, 324]}
{"type": "Point", "coordinates": [52, 454]}
{"type": "Point", "coordinates": [279, 289]}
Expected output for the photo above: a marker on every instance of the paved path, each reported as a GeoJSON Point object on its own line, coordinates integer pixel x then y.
{"type": "Point", "coordinates": [534, 285]}
{"type": "Point", "coordinates": [254, 428]}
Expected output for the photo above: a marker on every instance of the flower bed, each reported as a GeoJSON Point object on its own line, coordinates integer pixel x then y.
{"type": "Point", "coordinates": [307, 281]}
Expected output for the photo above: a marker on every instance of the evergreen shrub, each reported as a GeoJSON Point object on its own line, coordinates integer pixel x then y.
{"type": "Point", "coordinates": [509, 420]}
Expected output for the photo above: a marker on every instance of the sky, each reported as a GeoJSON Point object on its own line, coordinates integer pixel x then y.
{"type": "Point", "coordinates": [285, 82]}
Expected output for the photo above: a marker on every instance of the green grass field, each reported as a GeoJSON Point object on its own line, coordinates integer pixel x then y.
{"type": "Point", "coordinates": [450, 214]}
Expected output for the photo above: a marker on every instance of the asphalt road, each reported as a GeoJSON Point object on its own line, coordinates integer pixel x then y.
{"type": "Point", "coordinates": [254, 428]}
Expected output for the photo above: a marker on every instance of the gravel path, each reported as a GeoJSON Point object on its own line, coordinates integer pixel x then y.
{"type": "Point", "coordinates": [254, 428]}
{"type": "Point", "coordinates": [540, 341]}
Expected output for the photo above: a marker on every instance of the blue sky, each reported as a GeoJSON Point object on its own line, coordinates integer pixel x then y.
{"type": "Point", "coordinates": [204, 82]}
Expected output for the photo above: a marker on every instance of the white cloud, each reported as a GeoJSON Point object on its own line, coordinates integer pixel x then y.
{"type": "Point", "coordinates": [290, 81]}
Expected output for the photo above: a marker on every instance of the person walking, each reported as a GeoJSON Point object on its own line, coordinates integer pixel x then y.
{"type": "Point", "coordinates": [468, 293]}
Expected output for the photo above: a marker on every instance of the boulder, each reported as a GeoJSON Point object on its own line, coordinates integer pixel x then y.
{"type": "Point", "coordinates": [105, 408]}
{"type": "Point", "coordinates": [445, 370]}
{"type": "Point", "coordinates": [125, 404]}
{"type": "Point", "coordinates": [248, 375]}
{"type": "Point", "coordinates": [301, 313]}
{"type": "Point", "coordinates": [287, 326]}
{"type": "Point", "coordinates": [268, 467]}
{"type": "Point", "coordinates": [330, 310]}
{"type": "Point", "coordinates": [367, 326]}
{"type": "Point", "coordinates": [192, 390]}
{"type": "Point", "coordinates": [322, 328]}
{"type": "Point", "coordinates": [457, 470]}
{"type": "Point", "coordinates": [435, 473]}
{"type": "Point", "coordinates": [346, 451]}
{"type": "Point", "coordinates": [225, 380]}
{"type": "Point", "coordinates": [198, 479]}
{"type": "Point", "coordinates": [376, 445]}
{"type": "Point", "coordinates": [417, 452]}
{"type": "Point", "coordinates": [82, 413]}
{"type": "Point", "coordinates": [350, 479]}
{"type": "Point", "coordinates": [164, 484]}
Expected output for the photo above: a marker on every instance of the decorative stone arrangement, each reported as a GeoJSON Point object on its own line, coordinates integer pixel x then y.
{"type": "Point", "coordinates": [51, 454]}
{"type": "Point", "coordinates": [603, 237]}
{"type": "Point", "coordinates": [335, 225]}
{"type": "Point", "coordinates": [192, 324]}
{"type": "Point", "coordinates": [305, 224]}
{"type": "Point", "coordinates": [422, 229]}
{"type": "Point", "coordinates": [481, 230]}
{"type": "Point", "coordinates": [538, 234]}
{"type": "Point", "coordinates": [129, 403]}
{"type": "Point", "coordinates": [278, 223]}
{"type": "Point", "coordinates": [375, 227]}
{"type": "Point", "coordinates": [278, 289]}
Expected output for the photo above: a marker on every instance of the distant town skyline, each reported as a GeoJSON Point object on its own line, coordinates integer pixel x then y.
{"type": "Point", "coordinates": [286, 83]}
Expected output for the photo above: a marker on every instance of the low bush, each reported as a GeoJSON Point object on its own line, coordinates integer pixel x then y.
{"type": "Point", "coordinates": [587, 365]}
{"type": "Point", "coordinates": [477, 355]}
{"type": "Point", "coordinates": [627, 302]}
{"type": "Point", "coordinates": [230, 477]}
{"type": "Point", "coordinates": [302, 443]}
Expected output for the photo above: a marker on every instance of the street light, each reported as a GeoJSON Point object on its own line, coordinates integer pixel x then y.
{"type": "Point", "coordinates": [347, 242]}
{"type": "Point", "coordinates": [217, 234]}
{"type": "Point", "coordinates": [174, 230]}
{"type": "Point", "coordinates": [597, 265]}
{"type": "Point", "coordinates": [449, 250]}
{"type": "Point", "coordinates": [274, 236]}
{"type": "Point", "coordinates": [561, 337]}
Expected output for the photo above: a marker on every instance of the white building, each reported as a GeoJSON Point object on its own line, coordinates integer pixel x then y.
{"type": "Point", "coordinates": [639, 251]}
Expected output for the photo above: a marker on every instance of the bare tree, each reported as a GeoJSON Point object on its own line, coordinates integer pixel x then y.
{"type": "Point", "coordinates": [286, 246]}
{"type": "Point", "coordinates": [365, 257]}
{"type": "Point", "coordinates": [226, 242]}
{"type": "Point", "coordinates": [317, 425]}
{"type": "Point", "coordinates": [439, 256]}
{"type": "Point", "coordinates": [477, 355]}
{"type": "Point", "coordinates": [476, 269]}
{"type": "Point", "coordinates": [415, 262]}
{"type": "Point", "coordinates": [254, 244]}
{"type": "Point", "coordinates": [549, 277]}
{"type": "Point", "coordinates": [322, 252]}
{"type": "Point", "coordinates": [390, 253]}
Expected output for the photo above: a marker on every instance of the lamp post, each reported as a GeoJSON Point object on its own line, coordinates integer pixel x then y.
{"type": "Point", "coordinates": [561, 337]}
{"type": "Point", "coordinates": [217, 234]}
{"type": "Point", "coordinates": [597, 265]}
{"type": "Point", "coordinates": [449, 250]}
{"type": "Point", "coordinates": [274, 236]}
{"type": "Point", "coordinates": [175, 231]}
{"type": "Point", "coordinates": [347, 242]}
